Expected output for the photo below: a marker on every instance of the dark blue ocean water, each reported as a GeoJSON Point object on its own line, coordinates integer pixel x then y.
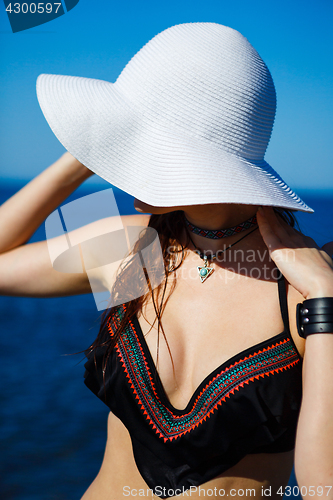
{"type": "Point", "coordinates": [52, 428]}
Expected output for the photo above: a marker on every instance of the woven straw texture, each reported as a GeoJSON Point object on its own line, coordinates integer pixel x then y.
{"type": "Point", "coordinates": [187, 122]}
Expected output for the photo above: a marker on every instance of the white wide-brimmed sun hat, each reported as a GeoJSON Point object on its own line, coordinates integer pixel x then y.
{"type": "Point", "coordinates": [187, 122]}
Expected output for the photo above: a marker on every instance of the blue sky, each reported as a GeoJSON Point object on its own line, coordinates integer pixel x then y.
{"type": "Point", "coordinates": [98, 37]}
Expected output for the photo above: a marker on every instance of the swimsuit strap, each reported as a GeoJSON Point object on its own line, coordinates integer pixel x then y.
{"type": "Point", "coordinates": [283, 301]}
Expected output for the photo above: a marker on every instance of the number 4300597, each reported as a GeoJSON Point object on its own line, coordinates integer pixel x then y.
{"type": "Point", "coordinates": [33, 8]}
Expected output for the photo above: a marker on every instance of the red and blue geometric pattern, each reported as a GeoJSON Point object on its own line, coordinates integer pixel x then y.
{"type": "Point", "coordinates": [169, 423]}
{"type": "Point", "coordinates": [216, 234]}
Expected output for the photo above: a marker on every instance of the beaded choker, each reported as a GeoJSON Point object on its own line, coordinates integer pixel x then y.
{"type": "Point", "coordinates": [216, 234]}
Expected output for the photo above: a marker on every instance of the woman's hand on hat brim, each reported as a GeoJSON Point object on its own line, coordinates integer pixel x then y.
{"type": "Point", "coordinates": [307, 268]}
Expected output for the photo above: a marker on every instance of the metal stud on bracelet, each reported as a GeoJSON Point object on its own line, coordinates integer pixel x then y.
{"type": "Point", "coordinates": [315, 316]}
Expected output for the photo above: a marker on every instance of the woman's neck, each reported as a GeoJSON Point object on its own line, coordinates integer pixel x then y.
{"type": "Point", "coordinates": [218, 216]}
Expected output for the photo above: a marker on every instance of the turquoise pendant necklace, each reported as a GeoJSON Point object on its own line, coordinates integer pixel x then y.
{"type": "Point", "coordinates": [205, 271]}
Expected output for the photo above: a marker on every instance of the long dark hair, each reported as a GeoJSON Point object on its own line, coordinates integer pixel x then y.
{"type": "Point", "coordinates": [170, 229]}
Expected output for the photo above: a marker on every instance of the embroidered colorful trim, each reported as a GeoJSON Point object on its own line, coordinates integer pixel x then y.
{"type": "Point", "coordinates": [216, 234]}
{"type": "Point", "coordinates": [169, 426]}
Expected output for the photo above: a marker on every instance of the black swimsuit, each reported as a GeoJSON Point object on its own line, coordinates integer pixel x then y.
{"type": "Point", "coordinates": [249, 404]}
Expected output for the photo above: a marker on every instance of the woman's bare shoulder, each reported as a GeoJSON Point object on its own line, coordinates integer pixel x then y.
{"type": "Point", "coordinates": [107, 245]}
{"type": "Point", "coordinates": [107, 225]}
{"type": "Point", "coordinates": [135, 219]}
{"type": "Point", "coordinates": [116, 222]}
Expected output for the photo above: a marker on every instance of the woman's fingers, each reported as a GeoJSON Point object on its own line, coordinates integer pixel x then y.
{"type": "Point", "coordinates": [284, 231]}
{"type": "Point", "coordinates": [267, 231]}
{"type": "Point", "coordinates": [328, 248]}
{"type": "Point", "coordinates": [327, 252]}
{"type": "Point", "coordinates": [307, 267]}
{"type": "Point", "coordinates": [276, 238]}
{"type": "Point", "coordinates": [288, 235]}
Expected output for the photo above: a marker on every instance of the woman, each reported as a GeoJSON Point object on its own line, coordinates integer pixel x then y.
{"type": "Point", "coordinates": [202, 373]}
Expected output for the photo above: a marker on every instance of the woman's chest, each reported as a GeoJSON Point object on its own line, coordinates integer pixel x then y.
{"type": "Point", "coordinates": [205, 325]}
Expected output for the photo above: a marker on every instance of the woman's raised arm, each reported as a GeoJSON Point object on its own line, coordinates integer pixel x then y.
{"type": "Point", "coordinates": [24, 212]}
{"type": "Point", "coordinates": [310, 271]}
{"type": "Point", "coordinates": [26, 269]}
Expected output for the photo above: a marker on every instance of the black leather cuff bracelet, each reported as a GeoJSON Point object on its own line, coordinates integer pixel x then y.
{"type": "Point", "coordinates": [315, 316]}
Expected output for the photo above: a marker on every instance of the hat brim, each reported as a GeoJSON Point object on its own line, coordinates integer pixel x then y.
{"type": "Point", "coordinates": [152, 161]}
